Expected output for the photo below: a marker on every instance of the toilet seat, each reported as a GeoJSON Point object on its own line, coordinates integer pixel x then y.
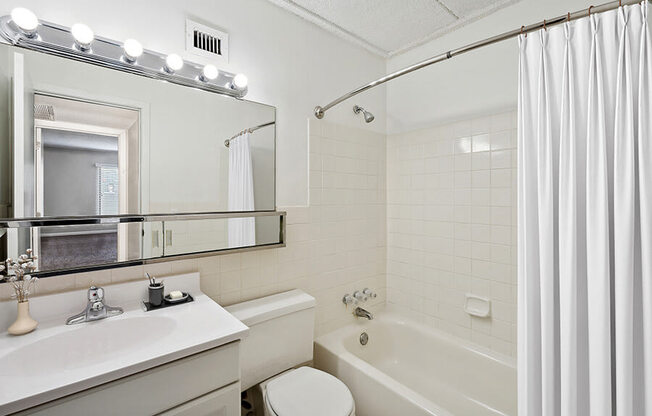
{"type": "Point", "coordinates": [307, 391]}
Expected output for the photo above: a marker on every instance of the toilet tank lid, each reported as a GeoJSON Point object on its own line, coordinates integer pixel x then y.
{"type": "Point", "coordinates": [260, 310]}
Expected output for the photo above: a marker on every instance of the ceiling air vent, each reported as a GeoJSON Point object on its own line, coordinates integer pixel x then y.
{"type": "Point", "coordinates": [207, 41]}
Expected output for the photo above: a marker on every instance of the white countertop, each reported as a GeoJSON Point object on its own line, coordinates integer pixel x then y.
{"type": "Point", "coordinates": [57, 359]}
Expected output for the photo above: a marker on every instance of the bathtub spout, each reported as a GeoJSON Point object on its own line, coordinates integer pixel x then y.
{"type": "Point", "coordinates": [363, 313]}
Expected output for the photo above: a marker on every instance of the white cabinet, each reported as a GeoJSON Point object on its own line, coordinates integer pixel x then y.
{"type": "Point", "coordinates": [207, 383]}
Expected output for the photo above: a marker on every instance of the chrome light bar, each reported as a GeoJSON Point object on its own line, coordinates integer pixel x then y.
{"type": "Point", "coordinates": [59, 40]}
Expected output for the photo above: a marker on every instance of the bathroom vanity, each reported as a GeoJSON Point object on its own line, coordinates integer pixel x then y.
{"type": "Point", "coordinates": [180, 360]}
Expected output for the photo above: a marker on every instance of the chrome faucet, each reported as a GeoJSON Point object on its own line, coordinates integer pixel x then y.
{"type": "Point", "coordinates": [95, 309]}
{"type": "Point", "coordinates": [363, 313]}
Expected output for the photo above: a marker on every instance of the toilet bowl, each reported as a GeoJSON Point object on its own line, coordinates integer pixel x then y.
{"type": "Point", "coordinates": [306, 391]}
{"type": "Point", "coordinates": [272, 358]}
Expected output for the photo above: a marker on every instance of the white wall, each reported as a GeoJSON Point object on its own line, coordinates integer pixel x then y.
{"type": "Point", "coordinates": [291, 64]}
{"type": "Point", "coordinates": [480, 82]}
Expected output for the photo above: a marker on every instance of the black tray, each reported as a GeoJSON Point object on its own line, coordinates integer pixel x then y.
{"type": "Point", "coordinates": [166, 304]}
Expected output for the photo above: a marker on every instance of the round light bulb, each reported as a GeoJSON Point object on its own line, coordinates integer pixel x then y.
{"type": "Point", "coordinates": [240, 81]}
{"type": "Point", "coordinates": [173, 62]}
{"type": "Point", "coordinates": [133, 49]}
{"type": "Point", "coordinates": [83, 35]}
{"type": "Point", "coordinates": [25, 20]}
{"type": "Point", "coordinates": [210, 72]}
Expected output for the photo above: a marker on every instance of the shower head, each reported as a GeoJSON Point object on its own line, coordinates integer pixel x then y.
{"type": "Point", "coordinates": [368, 117]}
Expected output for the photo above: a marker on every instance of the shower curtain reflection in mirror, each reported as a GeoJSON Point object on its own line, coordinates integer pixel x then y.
{"type": "Point", "coordinates": [241, 231]}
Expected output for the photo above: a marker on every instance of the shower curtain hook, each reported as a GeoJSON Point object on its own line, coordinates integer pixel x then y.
{"type": "Point", "coordinates": [590, 7]}
{"type": "Point", "coordinates": [544, 25]}
{"type": "Point", "coordinates": [523, 27]}
{"type": "Point", "coordinates": [568, 17]}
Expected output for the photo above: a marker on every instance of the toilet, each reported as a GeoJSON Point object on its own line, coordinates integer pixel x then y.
{"type": "Point", "coordinates": [274, 355]}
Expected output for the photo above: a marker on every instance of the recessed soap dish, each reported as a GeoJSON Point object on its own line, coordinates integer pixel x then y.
{"type": "Point", "coordinates": [477, 306]}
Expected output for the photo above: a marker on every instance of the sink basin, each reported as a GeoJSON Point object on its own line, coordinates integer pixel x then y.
{"type": "Point", "coordinates": [85, 344]}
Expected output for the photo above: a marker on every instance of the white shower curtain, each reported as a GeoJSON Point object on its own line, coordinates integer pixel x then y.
{"type": "Point", "coordinates": [585, 217]}
{"type": "Point", "coordinates": [241, 231]}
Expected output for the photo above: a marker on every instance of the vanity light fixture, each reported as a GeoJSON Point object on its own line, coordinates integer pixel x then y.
{"type": "Point", "coordinates": [26, 21]}
{"type": "Point", "coordinates": [173, 63]}
{"type": "Point", "coordinates": [240, 81]}
{"type": "Point", "coordinates": [132, 50]}
{"type": "Point", "coordinates": [209, 73]}
{"type": "Point", "coordinates": [83, 35]}
{"type": "Point", "coordinates": [22, 28]}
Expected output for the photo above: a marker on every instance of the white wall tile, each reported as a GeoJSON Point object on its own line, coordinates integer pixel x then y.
{"type": "Point", "coordinates": [456, 232]}
{"type": "Point", "coordinates": [463, 145]}
{"type": "Point", "coordinates": [481, 160]}
{"type": "Point", "coordinates": [481, 142]}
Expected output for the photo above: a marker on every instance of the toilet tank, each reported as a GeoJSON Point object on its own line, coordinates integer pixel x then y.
{"type": "Point", "coordinates": [280, 336]}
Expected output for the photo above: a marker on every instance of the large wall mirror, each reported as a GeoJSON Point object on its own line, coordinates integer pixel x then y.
{"type": "Point", "coordinates": [78, 139]}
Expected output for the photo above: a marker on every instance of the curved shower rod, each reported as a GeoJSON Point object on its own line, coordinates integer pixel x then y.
{"type": "Point", "coordinates": [321, 111]}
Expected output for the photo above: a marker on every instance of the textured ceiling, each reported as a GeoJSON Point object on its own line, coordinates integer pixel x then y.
{"type": "Point", "coordinates": [388, 27]}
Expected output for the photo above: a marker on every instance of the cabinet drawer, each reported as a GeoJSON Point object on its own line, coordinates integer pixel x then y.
{"type": "Point", "coordinates": [222, 402]}
{"type": "Point", "coordinates": [154, 390]}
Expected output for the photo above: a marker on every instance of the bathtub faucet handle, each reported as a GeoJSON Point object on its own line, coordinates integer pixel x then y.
{"type": "Point", "coordinates": [348, 299]}
{"type": "Point", "coordinates": [369, 292]}
{"type": "Point", "coordinates": [362, 297]}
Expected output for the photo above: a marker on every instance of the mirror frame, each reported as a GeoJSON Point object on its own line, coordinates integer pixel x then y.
{"type": "Point", "coordinates": [153, 218]}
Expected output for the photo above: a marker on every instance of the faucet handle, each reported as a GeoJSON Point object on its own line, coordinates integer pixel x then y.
{"type": "Point", "coordinates": [95, 294]}
{"type": "Point", "coordinates": [360, 296]}
{"type": "Point", "coordinates": [369, 292]}
{"type": "Point", "coordinates": [348, 299]}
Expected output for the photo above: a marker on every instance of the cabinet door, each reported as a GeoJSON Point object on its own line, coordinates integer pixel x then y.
{"type": "Point", "coordinates": [222, 402]}
{"type": "Point", "coordinates": [154, 390]}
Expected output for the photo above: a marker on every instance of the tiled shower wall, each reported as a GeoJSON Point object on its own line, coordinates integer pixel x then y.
{"type": "Point", "coordinates": [451, 218]}
{"type": "Point", "coordinates": [335, 246]}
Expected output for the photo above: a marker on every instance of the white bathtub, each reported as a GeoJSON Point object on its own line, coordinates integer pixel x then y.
{"type": "Point", "coordinates": [409, 369]}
